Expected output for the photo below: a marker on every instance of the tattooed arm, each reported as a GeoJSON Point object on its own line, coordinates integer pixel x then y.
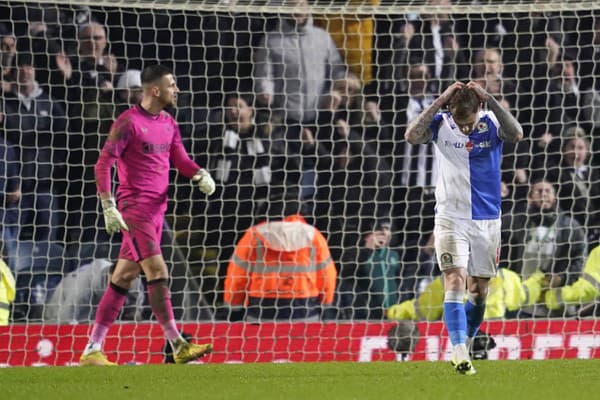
{"type": "Point", "coordinates": [510, 129]}
{"type": "Point", "coordinates": [418, 130]}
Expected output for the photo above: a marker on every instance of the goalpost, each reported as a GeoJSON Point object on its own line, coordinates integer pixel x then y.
{"type": "Point", "coordinates": [328, 131]}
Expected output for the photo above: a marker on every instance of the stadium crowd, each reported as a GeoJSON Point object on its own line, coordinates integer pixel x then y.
{"type": "Point", "coordinates": [296, 103]}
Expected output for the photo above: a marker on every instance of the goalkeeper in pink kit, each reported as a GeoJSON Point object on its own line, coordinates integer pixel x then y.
{"type": "Point", "coordinates": [143, 141]}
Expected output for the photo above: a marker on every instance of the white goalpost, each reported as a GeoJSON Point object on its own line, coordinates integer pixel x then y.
{"type": "Point", "coordinates": [299, 100]}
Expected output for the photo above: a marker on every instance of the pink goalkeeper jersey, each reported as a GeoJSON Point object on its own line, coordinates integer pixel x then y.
{"type": "Point", "coordinates": [142, 145]}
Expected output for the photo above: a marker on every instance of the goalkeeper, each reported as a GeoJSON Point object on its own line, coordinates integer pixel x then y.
{"type": "Point", "coordinates": [507, 292]}
{"type": "Point", "coordinates": [142, 141]}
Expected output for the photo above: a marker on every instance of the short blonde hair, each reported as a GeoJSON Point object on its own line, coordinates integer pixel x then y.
{"type": "Point", "coordinates": [575, 132]}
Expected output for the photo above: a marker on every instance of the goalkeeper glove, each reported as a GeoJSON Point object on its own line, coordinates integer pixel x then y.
{"type": "Point", "coordinates": [113, 220]}
{"type": "Point", "coordinates": [205, 182]}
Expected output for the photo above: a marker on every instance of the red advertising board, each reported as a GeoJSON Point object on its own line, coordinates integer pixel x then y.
{"type": "Point", "coordinates": [37, 345]}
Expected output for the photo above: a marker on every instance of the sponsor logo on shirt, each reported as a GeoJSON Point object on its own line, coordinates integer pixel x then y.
{"type": "Point", "coordinates": [456, 145]}
{"type": "Point", "coordinates": [485, 144]}
{"type": "Point", "coordinates": [155, 148]}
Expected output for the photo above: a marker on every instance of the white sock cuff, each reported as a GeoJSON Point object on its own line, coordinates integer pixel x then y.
{"type": "Point", "coordinates": [451, 296]}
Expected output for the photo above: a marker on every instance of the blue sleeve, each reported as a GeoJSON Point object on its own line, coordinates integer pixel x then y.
{"type": "Point", "coordinates": [494, 126]}
{"type": "Point", "coordinates": [435, 125]}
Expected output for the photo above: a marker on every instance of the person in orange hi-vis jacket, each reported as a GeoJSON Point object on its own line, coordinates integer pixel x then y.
{"type": "Point", "coordinates": [281, 268]}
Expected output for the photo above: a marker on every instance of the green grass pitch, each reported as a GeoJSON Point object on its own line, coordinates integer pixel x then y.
{"type": "Point", "coordinates": [506, 380]}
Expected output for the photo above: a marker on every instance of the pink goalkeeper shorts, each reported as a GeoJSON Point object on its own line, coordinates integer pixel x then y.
{"type": "Point", "coordinates": [144, 236]}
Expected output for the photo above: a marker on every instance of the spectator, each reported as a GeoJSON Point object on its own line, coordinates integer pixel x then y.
{"type": "Point", "coordinates": [579, 183]}
{"type": "Point", "coordinates": [530, 48]}
{"type": "Point", "coordinates": [378, 274]}
{"type": "Point", "coordinates": [8, 52]}
{"type": "Point", "coordinates": [36, 123]}
{"type": "Point", "coordinates": [311, 62]}
{"type": "Point", "coordinates": [89, 77]}
{"type": "Point", "coordinates": [354, 36]}
{"type": "Point", "coordinates": [507, 294]}
{"type": "Point", "coordinates": [40, 267]}
{"type": "Point", "coordinates": [75, 298]}
{"type": "Point", "coordinates": [281, 268]}
{"type": "Point", "coordinates": [589, 53]}
{"type": "Point", "coordinates": [295, 66]}
{"type": "Point", "coordinates": [532, 44]}
{"type": "Point", "coordinates": [585, 290]}
{"type": "Point", "coordinates": [431, 40]}
{"type": "Point", "coordinates": [339, 114]}
{"type": "Point", "coordinates": [9, 198]}
{"type": "Point", "coordinates": [488, 71]}
{"type": "Point", "coordinates": [544, 238]}
{"type": "Point", "coordinates": [416, 167]}
{"type": "Point", "coordinates": [566, 102]}
{"type": "Point", "coordinates": [416, 174]}
{"type": "Point", "coordinates": [238, 153]}
{"type": "Point", "coordinates": [7, 292]}
{"type": "Point", "coordinates": [477, 31]}
{"type": "Point", "coordinates": [352, 192]}
{"type": "Point", "coordinates": [128, 90]}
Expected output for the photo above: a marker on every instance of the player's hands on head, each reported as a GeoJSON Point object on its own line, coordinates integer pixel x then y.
{"type": "Point", "coordinates": [205, 182]}
{"type": "Point", "coordinates": [449, 92]}
{"type": "Point", "coordinates": [479, 90]}
{"type": "Point", "coordinates": [113, 220]}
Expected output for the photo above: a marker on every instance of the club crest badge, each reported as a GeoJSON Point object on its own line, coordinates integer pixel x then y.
{"type": "Point", "coordinates": [446, 260]}
{"type": "Point", "coordinates": [482, 127]}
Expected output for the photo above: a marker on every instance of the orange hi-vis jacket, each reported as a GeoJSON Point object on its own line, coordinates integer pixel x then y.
{"type": "Point", "coordinates": [284, 259]}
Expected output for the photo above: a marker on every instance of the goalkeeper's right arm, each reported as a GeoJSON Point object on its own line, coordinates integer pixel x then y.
{"type": "Point", "coordinates": [113, 220]}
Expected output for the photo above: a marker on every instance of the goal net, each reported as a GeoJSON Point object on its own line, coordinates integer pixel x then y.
{"type": "Point", "coordinates": [291, 102]}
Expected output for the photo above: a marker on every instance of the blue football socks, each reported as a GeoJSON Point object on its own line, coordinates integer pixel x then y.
{"type": "Point", "coordinates": [455, 317]}
{"type": "Point", "coordinates": [474, 311]}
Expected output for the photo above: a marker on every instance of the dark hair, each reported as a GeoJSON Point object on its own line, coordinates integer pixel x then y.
{"type": "Point", "coordinates": [463, 103]}
{"type": "Point", "coordinates": [154, 72]}
{"type": "Point", "coordinates": [247, 97]}
{"type": "Point", "coordinates": [24, 59]}
{"type": "Point", "coordinates": [280, 205]}
{"type": "Point", "coordinates": [5, 31]}
{"type": "Point", "coordinates": [538, 181]}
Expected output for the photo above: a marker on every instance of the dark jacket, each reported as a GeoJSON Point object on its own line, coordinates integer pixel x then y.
{"type": "Point", "coordinates": [377, 284]}
{"type": "Point", "coordinates": [579, 196]}
{"type": "Point", "coordinates": [36, 127]}
{"type": "Point", "coordinates": [567, 240]}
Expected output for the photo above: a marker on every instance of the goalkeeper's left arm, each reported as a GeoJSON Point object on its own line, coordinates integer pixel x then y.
{"type": "Point", "coordinates": [189, 168]}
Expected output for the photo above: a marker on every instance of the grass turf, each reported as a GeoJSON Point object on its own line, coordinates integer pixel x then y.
{"type": "Point", "coordinates": [506, 380]}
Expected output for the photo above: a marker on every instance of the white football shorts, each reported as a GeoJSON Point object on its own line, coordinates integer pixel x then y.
{"type": "Point", "coordinates": [470, 244]}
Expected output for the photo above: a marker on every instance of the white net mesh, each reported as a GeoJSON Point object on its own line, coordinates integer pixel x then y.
{"type": "Point", "coordinates": [315, 113]}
